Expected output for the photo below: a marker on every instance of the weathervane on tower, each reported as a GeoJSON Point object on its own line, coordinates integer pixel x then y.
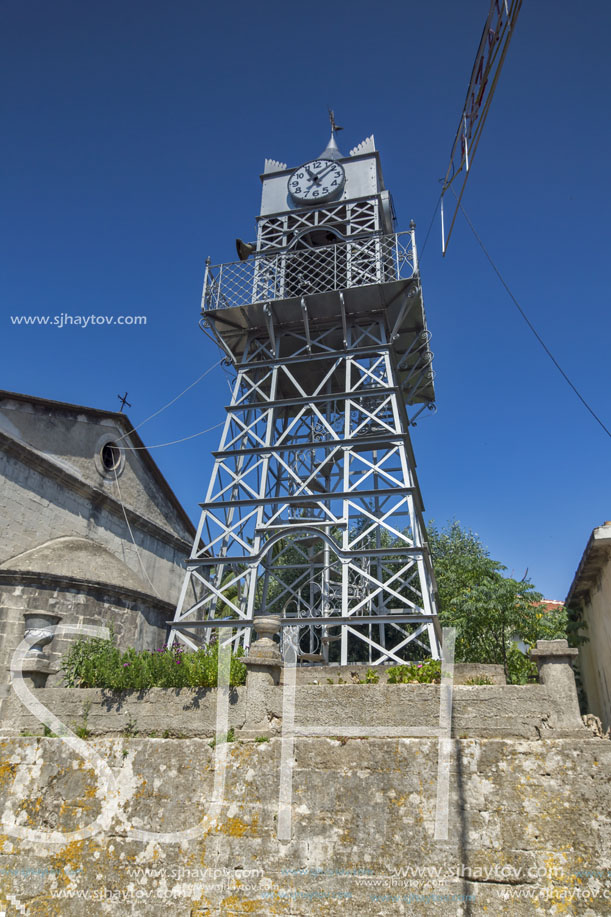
{"type": "Point", "coordinates": [334, 126]}
{"type": "Point", "coordinates": [313, 511]}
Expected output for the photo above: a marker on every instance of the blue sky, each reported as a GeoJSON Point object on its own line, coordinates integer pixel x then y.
{"type": "Point", "coordinates": [135, 133]}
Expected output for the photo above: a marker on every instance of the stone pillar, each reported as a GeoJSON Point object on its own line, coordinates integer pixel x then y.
{"type": "Point", "coordinates": [263, 665]}
{"type": "Point", "coordinates": [36, 666]}
{"type": "Point", "coordinates": [554, 662]}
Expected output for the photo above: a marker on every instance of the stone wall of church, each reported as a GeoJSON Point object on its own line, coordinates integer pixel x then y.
{"type": "Point", "coordinates": [77, 540]}
{"type": "Point", "coordinates": [71, 440]}
{"type": "Point", "coordinates": [36, 507]}
{"type": "Point", "coordinates": [137, 620]}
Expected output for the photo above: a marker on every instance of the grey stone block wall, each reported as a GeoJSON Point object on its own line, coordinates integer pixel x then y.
{"type": "Point", "coordinates": [185, 825]}
{"type": "Point", "coordinates": [322, 674]}
{"type": "Point", "coordinates": [36, 508]}
{"type": "Point", "coordinates": [74, 542]}
{"type": "Point", "coordinates": [514, 711]}
{"type": "Point", "coordinates": [70, 439]}
{"type": "Point", "coordinates": [528, 829]}
{"type": "Point", "coordinates": [138, 620]}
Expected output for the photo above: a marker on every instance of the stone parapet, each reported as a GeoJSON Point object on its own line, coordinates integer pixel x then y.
{"type": "Point", "coordinates": [464, 673]}
{"type": "Point", "coordinates": [255, 711]}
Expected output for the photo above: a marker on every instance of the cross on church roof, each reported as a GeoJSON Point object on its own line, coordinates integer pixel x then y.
{"type": "Point", "coordinates": [124, 401]}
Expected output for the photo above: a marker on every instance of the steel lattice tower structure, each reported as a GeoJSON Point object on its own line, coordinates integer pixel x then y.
{"type": "Point", "coordinates": [313, 510]}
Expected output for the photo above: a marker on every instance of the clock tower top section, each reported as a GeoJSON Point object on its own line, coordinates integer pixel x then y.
{"type": "Point", "coordinates": [327, 256]}
{"type": "Point", "coordinates": [332, 180]}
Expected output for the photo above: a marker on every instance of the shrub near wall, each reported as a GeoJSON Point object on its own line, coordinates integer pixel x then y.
{"type": "Point", "coordinates": [428, 672]}
{"type": "Point", "coordinates": [98, 663]}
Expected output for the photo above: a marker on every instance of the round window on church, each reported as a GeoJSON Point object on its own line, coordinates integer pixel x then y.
{"type": "Point", "coordinates": [111, 457]}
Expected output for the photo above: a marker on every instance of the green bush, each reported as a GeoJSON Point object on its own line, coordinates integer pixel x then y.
{"type": "Point", "coordinates": [490, 611]}
{"type": "Point", "coordinates": [98, 663]}
{"type": "Point", "coordinates": [423, 672]}
{"type": "Point", "coordinates": [371, 678]}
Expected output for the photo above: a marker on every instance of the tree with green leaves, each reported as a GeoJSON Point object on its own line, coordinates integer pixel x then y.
{"type": "Point", "coordinates": [489, 610]}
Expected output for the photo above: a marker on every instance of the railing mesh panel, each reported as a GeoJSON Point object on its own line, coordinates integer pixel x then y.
{"type": "Point", "coordinates": [282, 275]}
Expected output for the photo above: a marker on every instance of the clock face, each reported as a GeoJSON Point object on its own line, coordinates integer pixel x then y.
{"type": "Point", "coordinates": [316, 181]}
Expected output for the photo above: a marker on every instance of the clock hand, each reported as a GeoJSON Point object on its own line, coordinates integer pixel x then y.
{"type": "Point", "coordinates": [329, 169]}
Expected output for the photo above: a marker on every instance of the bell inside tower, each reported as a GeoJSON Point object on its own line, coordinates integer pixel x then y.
{"type": "Point", "coordinates": [319, 262]}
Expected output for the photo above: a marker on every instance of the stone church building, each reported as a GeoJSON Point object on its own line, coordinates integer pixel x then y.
{"type": "Point", "coordinates": [92, 532]}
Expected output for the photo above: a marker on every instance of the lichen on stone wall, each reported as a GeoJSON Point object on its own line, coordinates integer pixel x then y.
{"type": "Point", "coordinates": [524, 816]}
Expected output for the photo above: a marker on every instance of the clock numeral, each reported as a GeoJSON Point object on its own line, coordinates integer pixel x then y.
{"type": "Point", "coordinates": [325, 190]}
{"type": "Point", "coordinates": [300, 174]}
{"type": "Point", "coordinates": [315, 193]}
{"type": "Point", "coordinates": [296, 189]}
{"type": "Point", "coordinates": [334, 183]}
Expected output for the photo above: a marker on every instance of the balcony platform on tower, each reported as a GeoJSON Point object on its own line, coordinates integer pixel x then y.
{"type": "Point", "coordinates": [289, 297]}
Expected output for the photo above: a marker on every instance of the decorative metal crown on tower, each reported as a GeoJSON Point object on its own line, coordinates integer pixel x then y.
{"type": "Point", "coordinates": [313, 510]}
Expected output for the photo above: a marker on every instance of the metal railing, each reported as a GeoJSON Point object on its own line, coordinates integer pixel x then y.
{"type": "Point", "coordinates": [291, 273]}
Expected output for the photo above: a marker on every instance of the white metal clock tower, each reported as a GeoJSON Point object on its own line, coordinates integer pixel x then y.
{"type": "Point", "coordinates": [313, 510]}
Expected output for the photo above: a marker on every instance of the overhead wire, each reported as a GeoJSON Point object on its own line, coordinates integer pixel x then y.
{"type": "Point", "coordinates": [159, 446]}
{"type": "Point", "coordinates": [428, 232]}
{"type": "Point", "coordinates": [173, 401]}
{"type": "Point", "coordinates": [131, 534]}
{"type": "Point", "coordinates": [173, 442]}
{"type": "Point", "coordinates": [528, 321]}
